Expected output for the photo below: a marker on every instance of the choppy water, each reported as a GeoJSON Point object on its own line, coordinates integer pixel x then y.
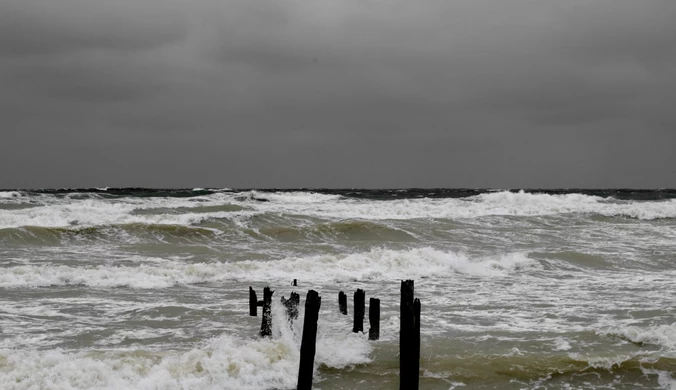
{"type": "Point", "coordinates": [148, 289]}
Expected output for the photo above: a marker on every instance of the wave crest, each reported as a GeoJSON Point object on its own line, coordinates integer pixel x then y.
{"type": "Point", "coordinates": [377, 264]}
{"type": "Point", "coordinates": [663, 336]}
{"type": "Point", "coordinates": [72, 211]}
{"type": "Point", "coordinates": [223, 362]}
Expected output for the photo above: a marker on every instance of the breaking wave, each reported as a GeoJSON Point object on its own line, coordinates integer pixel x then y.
{"type": "Point", "coordinates": [9, 194]}
{"type": "Point", "coordinates": [47, 211]}
{"type": "Point", "coordinates": [150, 232]}
{"type": "Point", "coordinates": [377, 264]}
{"type": "Point", "coordinates": [663, 336]}
{"type": "Point", "coordinates": [224, 362]}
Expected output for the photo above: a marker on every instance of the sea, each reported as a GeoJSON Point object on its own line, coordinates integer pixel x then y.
{"type": "Point", "coordinates": [135, 288]}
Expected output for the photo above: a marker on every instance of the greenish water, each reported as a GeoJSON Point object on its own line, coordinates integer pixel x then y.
{"type": "Point", "coordinates": [148, 289]}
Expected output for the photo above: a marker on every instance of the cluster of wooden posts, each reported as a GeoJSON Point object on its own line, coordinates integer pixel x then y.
{"type": "Point", "coordinates": [409, 328]}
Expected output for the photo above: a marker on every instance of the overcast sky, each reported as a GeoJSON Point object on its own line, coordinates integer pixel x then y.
{"type": "Point", "coordinates": [338, 93]}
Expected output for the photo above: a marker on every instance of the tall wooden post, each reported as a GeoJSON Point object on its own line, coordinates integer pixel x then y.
{"type": "Point", "coordinates": [266, 323]}
{"type": "Point", "coordinates": [415, 367]}
{"type": "Point", "coordinates": [308, 344]}
{"type": "Point", "coordinates": [253, 303]}
{"type": "Point", "coordinates": [359, 298]}
{"type": "Point", "coordinates": [342, 303]}
{"type": "Point", "coordinates": [407, 380]}
{"type": "Point", "coordinates": [374, 319]}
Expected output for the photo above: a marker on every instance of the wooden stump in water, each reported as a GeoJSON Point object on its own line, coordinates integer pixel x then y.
{"type": "Point", "coordinates": [309, 340]}
{"type": "Point", "coordinates": [415, 369]}
{"type": "Point", "coordinates": [408, 380]}
{"type": "Point", "coordinates": [291, 305]}
{"type": "Point", "coordinates": [253, 303]}
{"type": "Point", "coordinates": [359, 297]}
{"type": "Point", "coordinates": [342, 303]}
{"type": "Point", "coordinates": [266, 323]}
{"type": "Point", "coordinates": [374, 319]}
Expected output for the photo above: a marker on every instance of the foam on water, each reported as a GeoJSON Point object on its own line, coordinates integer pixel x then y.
{"type": "Point", "coordinates": [91, 213]}
{"type": "Point", "coordinates": [503, 203]}
{"type": "Point", "coordinates": [295, 197]}
{"type": "Point", "coordinates": [69, 211]}
{"type": "Point", "coordinates": [607, 362]}
{"type": "Point", "coordinates": [223, 362]}
{"type": "Point", "coordinates": [9, 194]}
{"type": "Point", "coordinates": [494, 203]}
{"type": "Point", "coordinates": [520, 290]}
{"type": "Point", "coordinates": [664, 378]}
{"type": "Point", "coordinates": [377, 264]}
{"type": "Point", "coordinates": [662, 335]}
{"type": "Point", "coordinates": [561, 344]}
{"type": "Point", "coordinates": [525, 204]}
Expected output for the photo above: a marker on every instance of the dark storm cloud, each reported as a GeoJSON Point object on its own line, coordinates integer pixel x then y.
{"type": "Point", "coordinates": [49, 27]}
{"type": "Point", "coordinates": [87, 81]}
{"type": "Point", "coordinates": [339, 93]}
{"type": "Point", "coordinates": [85, 51]}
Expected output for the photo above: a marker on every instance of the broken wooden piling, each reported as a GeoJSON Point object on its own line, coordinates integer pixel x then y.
{"type": "Point", "coordinates": [253, 303]}
{"type": "Point", "coordinates": [374, 319]}
{"type": "Point", "coordinates": [415, 369]}
{"type": "Point", "coordinates": [342, 303]}
{"type": "Point", "coordinates": [309, 340]}
{"type": "Point", "coordinates": [359, 298]}
{"type": "Point", "coordinates": [291, 305]}
{"type": "Point", "coordinates": [409, 342]}
{"type": "Point", "coordinates": [266, 323]}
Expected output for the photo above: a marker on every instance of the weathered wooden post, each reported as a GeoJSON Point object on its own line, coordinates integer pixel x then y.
{"type": "Point", "coordinates": [415, 369]}
{"type": "Point", "coordinates": [266, 323]}
{"type": "Point", "coordinates": [342, 303]}
{"type": "Point", "coordinates": [408, 379]}
{"type": "Point", "coordinates": [291, 305]}
{"type": "Point", "coordinates": [309, 340]}
{"type": "Point", "coordinates": [374, 319]}
{"type": "Point", "coordinates": [253, 303]}
{"type": "Point", "coordinates": [359, 298]}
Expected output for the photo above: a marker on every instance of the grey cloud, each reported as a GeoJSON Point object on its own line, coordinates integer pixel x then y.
{"type": "Point", "coordinates": [622, 31]}
{"type": "Point", "coordinates": [83, 83]}
{"type": "Point", "coordinates": [340, 93]}
{"type": "Point", "coordinates": [555, 64]}
{"type": "Point", "coordinates": [90, 78]}
{"type": "Point", "coordinates": [46, 26]}
{"type": "Point", "coordinates": [92, 52]}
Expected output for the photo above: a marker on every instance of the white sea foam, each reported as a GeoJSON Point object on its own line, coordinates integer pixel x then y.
{"type": "Point", "coordinates": [91, 212]}
{"type": "Point", "coordinates": [495, 203]}
{"type": "Point", "coordinates": [561, 344]}
{"type": "Point", "coordinates": [224, 362]}
{"type": "Point", "coordinates": [664, 378]}
{"type": "Point", "coordinates": [64, 212]}
{"type": "Point", "coordinates": [295, 197]}
{"type": "Point", "coordinates": [377, 264]}
{"type": "Point", "coordinates": [607, 362]}
{"type": "Point", "coordinates": [662, 335]}
{"type": "Point", "coordinates": [9, 194]}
